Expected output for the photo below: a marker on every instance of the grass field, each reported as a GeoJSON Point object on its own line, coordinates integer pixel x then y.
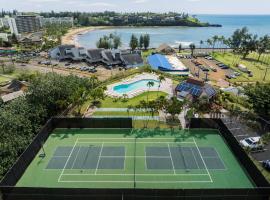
{"type": "Point", "coordinates": [135, 158]}
{"type": "Point", "coordinates": [4, 79]}
{"type": "Point", "coordinates": [110, 103]}
{"type": "Point", "coordinates": [258, 68]}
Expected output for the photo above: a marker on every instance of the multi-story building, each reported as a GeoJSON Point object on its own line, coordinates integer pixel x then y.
{"type": "Point", "coordinates": [4, 21]}
{"type": "Point", "coordinates": [12, 26]}
{"type": "Point", "coordinates": [59, 20]}
{"type": "Point", "coordinates": [28, 23]}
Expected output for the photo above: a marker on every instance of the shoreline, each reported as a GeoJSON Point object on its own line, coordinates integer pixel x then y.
{"type": "Point", "coordinates": [70, 36]}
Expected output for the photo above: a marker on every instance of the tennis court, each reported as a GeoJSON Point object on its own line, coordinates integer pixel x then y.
{"type": "Point", "coordinates": [126, 158]}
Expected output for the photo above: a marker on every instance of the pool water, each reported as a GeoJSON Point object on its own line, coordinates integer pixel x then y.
{"type": "Point", "coordinates": [130, 87]}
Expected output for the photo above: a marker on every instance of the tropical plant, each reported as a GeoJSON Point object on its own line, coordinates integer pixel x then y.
{"type": "Point", "coordinates": [180, 48]}
{"type": "Point", "coordinates": [149, 85]}
{"type": "Point", "coordinates": [192, 48]}
{"type": "Point", "coordinates": [133, 44]}
{"type": "Point", "coordinates": [146, 41]}
{"type": "Point", "coordinates": [263, 45]}
{"type": "Point", "coordinates": [141, 41]}
{"type": "Point", "coordinates": [160, 79]}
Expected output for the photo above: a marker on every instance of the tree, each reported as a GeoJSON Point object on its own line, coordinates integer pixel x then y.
{"type": "Point", "coordinates": [259, 97]}
{"type": "Point", "coordinates": [173, 107]}
{"type": "Point", "coordinates": [214, 41]}
{"type": "Point", "coordinates": [160, 79]}
{"type": "Point", "coordinates": [262, 45]}
{"type": "Point", "coordinates": [141, 42]}
{"type": "Point", "coordinates": [236, 40]}
{"type": "Point", "coordinates": [209, 42]}
{"type": "Point", "coordinates": [133, 44]}
{"type": "Point", "coordinates": [192, 48]}
{"type": "Point", "coordinates": [180, 48]}
{"type": "Point", "coordinates": [97, 94]}
{"type": "Point", "coordinates": [149, 85]}
{"type": "Point", "coordinates": [146, 41]}
{"type": "Point", "coordinates": [201, 43]}
{"type": "Point", "coordinates": [248, 45]}
{"type": "Point", "coordinates": [117, 41]}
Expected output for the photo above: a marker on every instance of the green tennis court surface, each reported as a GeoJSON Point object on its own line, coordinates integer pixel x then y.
{"type": "Point", "coordinates": [125, 158]}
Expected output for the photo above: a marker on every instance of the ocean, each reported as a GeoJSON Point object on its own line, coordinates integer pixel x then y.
{"type": "Point", "coordinates": [257, 24]}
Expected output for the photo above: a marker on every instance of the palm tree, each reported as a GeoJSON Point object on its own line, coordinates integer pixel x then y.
{"type": "Point", "coordinates": [209, 43]}
{"type": "Point", "coordinates": [180, 48]}
{"type": "Point", "coordinates": [160, 79]}
{"type": "Point", "coordinates": [192, 48]}
{"type": "Point", "coordinates": [149, 85]}
{"type": "Point", "coordinates": [201, 43]}
{"type": "Point", "coordinates": [215, 40]}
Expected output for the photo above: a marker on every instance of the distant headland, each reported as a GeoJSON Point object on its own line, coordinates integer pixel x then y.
{"type": "Point", "coordinates": [132, 19]}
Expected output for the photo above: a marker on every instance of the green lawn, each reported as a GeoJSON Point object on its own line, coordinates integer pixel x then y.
{"type": "Point", "coordinates": [4, 79]}
{"type": "Point", "coordinates": [144, 158]}
{"type": "Point", "coordinates": [108, 102]}
{"type": "Point", "coordinates": [258, 68]}
{"type": "Point", "coordinates": [121, 113]}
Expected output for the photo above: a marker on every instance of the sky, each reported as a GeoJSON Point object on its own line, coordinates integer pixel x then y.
{"type": "Point", "coordinates": [189, 6]}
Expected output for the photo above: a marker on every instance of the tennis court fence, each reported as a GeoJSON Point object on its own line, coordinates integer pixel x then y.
{"type": "Point", "coordinates": [9, 191]}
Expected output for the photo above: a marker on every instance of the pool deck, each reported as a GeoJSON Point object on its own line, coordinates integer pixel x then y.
{"type": "Point", "coordinates": [165, 86]}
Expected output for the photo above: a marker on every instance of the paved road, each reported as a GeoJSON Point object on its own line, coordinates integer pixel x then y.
{"type": "Point", "coordinates": [241, 131]}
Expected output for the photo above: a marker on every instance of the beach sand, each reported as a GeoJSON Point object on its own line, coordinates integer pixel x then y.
{"type": "Point", "coordinates": [70, 37]}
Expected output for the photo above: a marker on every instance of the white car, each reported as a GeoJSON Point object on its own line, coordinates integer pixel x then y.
{"type": "Point", "coordinates": [252, 143]}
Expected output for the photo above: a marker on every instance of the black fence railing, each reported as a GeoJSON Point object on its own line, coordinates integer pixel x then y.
{"type": "Point", "coordinates": [238, 151]}
{"type": "Point", "coordinates": [14, 174]}
{"type": "Point", "coordinates": [10, 192]}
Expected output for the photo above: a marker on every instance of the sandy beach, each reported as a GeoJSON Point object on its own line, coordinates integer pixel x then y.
{"type": "Point", "coordinates": [70, 37]}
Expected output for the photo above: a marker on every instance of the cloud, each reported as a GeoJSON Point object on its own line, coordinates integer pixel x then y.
{"type": "Point", "coordinates": [43, 1]}
{"type": "Point", "coordinates": [98, 4]}
{"type": "Point", "coordinates": [140, 1]}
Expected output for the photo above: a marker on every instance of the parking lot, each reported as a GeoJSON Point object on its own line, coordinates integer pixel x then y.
{"type": "Point", "coordinates": [81, 69]}
{"type": "Point", "coordinates": [206, 67]}
{"type": "Point", "coordinates": [241, 131]}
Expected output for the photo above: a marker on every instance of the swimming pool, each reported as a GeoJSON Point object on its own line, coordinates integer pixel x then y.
{"type": "Point", "coordinates": [137, 85]}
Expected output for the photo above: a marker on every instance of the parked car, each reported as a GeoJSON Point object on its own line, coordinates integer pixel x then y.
{"type": "Point", "coordinates": [228, 76]}
{"type": "Point", "coordinates": [237, 73]}
{"type": "Point", "coordinates": [67, 64]}
{"type": "Point", "coordinates": [92, 70]}
{"type": "Point", "coordinates": [254, 143]}
{"type": "Point", "coordinates": [266, 164]}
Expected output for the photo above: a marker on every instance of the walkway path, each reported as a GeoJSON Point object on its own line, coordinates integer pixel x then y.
{"type": "Point", "coordinates": [125, 116]}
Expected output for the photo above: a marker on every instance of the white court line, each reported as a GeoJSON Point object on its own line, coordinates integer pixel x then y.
{"type": "Point", "coordinates": [76, 157]}
{"type": "Point", "coordinates": [122, 138]}
{"type": "Point", "coordinates": [171, 158]}
{"type": "Point", "coordinates": [136, 174]}
{"type": "Point", "coordinates": [159, 182]}
{"type": "Point", "coordinates": [136, 142]}
{"type": "Point", "coordinates": [135, 156]}
{"type": "Point", "coordinates": [195, 158]}
{"type": "Point", "coordinates": [99, 157]}
{"type": "Point", "coordinates": [203, 160]}
{"type": "Point", "coordinates": [59, 178]}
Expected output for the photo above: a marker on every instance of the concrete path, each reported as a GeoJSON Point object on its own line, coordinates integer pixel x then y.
{"type": "Point", "coordinates": [116, 110]}
{"type": "Point", "coordinates": [133, 117]}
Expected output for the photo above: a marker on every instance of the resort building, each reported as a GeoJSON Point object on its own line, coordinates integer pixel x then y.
{"type": "Point", "coordinates": [193, 88]}
{"type": "Point", "coordinates": [28, 23]}
{"type": "Point", "coordinates": [165, 49]}
{"type": "Point", "coordinates": [57, 20]}
{"type": "Point", "coordinates": [12, 90]}
{"type": "Point", "coordinates": [170, 64]}
{"type": "Point", "coordinates": [94, 56]}
{"type": "Point", "coordinates": [9, 22]}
